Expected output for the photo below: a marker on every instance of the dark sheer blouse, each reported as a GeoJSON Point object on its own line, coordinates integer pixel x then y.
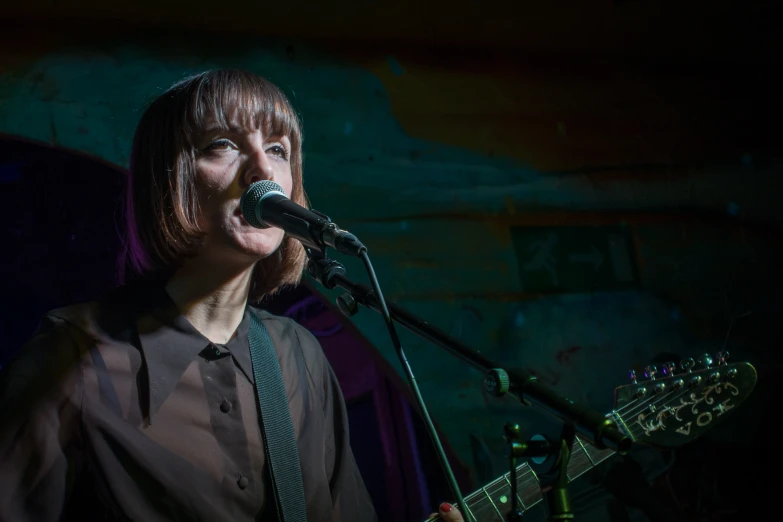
{"type": "Point", "coordinates": [121, 410]}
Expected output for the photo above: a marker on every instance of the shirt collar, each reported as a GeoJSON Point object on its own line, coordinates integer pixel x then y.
{"type": "Point", "coordinates": [170, 343]}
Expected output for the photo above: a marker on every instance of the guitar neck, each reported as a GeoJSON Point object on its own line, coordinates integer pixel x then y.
{"type": "Point", "coordinates": [492, 503]}
{"type": "Point", "coordinates": [680, 407]}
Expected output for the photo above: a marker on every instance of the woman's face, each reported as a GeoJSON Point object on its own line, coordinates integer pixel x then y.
{"type": "Point", "coordinates": [227, 162]}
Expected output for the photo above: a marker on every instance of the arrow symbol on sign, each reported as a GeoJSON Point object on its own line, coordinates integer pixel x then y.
{"type": "Point", "coordinates": [593, 257]}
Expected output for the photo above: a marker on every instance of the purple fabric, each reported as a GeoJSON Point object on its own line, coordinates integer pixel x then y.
{"type": "Point", "coordinates": [359, 372]}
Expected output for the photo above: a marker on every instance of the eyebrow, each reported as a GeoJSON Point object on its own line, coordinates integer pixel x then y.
{"type": "Point", "coordinates": [220, 128]}
{"type": "Point", "coordinates": [232, 129]}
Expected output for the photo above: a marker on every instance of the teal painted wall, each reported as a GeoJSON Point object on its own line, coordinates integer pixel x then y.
{"type": "Point", "coordinates": [452, 171]}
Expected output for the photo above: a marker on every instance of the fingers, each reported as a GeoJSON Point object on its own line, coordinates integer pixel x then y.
{"type": "Point", "coordinates": [450, 513]}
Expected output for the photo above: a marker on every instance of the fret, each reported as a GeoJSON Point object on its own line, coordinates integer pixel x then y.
{"type": "Point", "coordinates": [479, 506]}
{"type": "Point", "coordinates": [598, 455]}
{"type": "Point", "coordinates": [618, 419]}
{"type": "Point", "coordinates": [579, 441]}
{"type": "Point", "coordinates": [472, 513]}
{"type": "Point", "coordinates": [579, 462]}
{"type": "Point", "coordinates": [528, 485]}
{"type": "Point", "coordinates": [521, 504]}
{"type": "Point", "coordinates": [500, 515]}
{"type": "Point", "coordinates": [492, 503]}
{"type": "Point", "coordinates": [498, 499]}
{"type": "Point", "coordinates": [584, 457]}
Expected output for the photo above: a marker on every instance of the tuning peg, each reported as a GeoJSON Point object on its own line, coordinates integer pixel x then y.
{"type": "Point", "coordinates": [723, 357]}
{"type": "Point", "coordinates": [650, 371]}
{"type": "Point", "coordinates": [668, 368]}
{"type": "Point", "coordinates": [705, 360]}
{"type": "Point", "coordinates": [687, 364]}
{"type": "Point", "coordinates": [632, 376]}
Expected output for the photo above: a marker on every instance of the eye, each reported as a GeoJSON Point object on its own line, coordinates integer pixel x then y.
{"type": "Point", "coordinates": [278, 150]}
{"type": "Point", "coordinates": [218, 145]}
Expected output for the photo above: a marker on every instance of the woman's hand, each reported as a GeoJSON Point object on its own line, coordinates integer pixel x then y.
{"type": "Point", "coordinates": [448, 513]}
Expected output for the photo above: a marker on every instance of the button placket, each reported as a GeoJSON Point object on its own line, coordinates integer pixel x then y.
{"type": "Point", "coordinates": [212, 353]}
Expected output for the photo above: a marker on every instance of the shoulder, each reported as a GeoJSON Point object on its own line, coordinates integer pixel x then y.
{"type": "Point", "coordinates": [73, 319]}
{"type": "Point", "coordinates": [107, 317]}
{"type": "Point", "coordinates": [60, 335]}
{"type": "Point", "coordinates": [65, 334]}
{"type": "Point", "coordinates": [49, 364]}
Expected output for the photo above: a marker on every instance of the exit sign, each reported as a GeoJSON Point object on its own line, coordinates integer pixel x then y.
{"type": "Point", "coordinates": [574, 259]}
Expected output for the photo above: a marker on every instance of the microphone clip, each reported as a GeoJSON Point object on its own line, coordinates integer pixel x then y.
{"type": "Point", "coordinates": [322, 268]}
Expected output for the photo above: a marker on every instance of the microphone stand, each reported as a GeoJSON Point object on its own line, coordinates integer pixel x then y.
{"type": "Point", "coordinates": [600, 431]}
{"type": "Point", "coordinates": [325, 270]}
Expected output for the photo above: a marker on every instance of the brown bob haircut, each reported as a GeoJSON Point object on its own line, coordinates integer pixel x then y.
{"type": "Point", "coordinates": [161, 207]}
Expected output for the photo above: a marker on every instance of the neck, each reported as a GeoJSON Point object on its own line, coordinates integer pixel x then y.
{"type": "Point", "coordinates": [212, 297]}
{"type": "Point", "coordinates": [492, 502]}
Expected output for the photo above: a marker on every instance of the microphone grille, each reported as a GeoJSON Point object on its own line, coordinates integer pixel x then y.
{"type": "Point", "coordinates": [255, 193]}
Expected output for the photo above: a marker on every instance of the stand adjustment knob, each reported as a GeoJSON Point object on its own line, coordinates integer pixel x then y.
{"type": "Point", "coordinates": [347, 304]}
{"type": "Point", "coordinates": [496, 382]}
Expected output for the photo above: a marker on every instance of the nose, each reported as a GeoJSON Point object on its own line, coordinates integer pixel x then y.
{"type": "Point", "coordinates": [258, 167]}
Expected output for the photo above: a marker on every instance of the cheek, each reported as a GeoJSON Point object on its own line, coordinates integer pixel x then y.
{"type": "Point", "coordinates": [287, 183]}
{"type": "Point", "coordinates": [211, 188]}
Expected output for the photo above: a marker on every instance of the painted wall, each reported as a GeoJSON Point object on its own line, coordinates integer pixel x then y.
{"type": "Point", "coordinates": [573, 216]}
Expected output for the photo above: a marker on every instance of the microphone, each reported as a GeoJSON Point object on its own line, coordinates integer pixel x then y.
{"type": "Point", "coordinates": [265, 204]}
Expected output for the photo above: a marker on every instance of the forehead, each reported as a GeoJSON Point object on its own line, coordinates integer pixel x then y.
{"type": "Point", "coordinates": [242, 108]}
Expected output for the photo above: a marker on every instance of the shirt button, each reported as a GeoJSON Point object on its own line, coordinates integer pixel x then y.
{"type": "Point", "coordinates": [243, 482]}
{"type": "Point", "coordinates": [225, 406]}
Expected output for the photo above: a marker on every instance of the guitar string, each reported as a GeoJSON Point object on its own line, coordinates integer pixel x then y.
{"type": "Point", "coordinates": [484, 499]}
{"type": "Point", "coordinates": [528, 488]}
{"type": "Point", "coordinates": [635, 400]}
{"type": "Point", "coordinates": [631, 421]}
{"type": "Point", "coordinates": [657, 399]}
{"type": "Point", "coordinates": [577, 448]}
{"type": "Point", "coordinates": [708, 401]}
{"type": "Point", "coordinates": [650, 401]}
{"type": "Point", "coordinates": [486, 502]}
{"type": "Point", "coordinates": [666, 398]}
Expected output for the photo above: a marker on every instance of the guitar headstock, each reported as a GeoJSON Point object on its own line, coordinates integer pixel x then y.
{"type": "Point", "coordinates": [673, 405]}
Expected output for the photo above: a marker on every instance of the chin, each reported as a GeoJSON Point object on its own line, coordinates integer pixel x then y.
{"type": "Point", "coordinates": [262, 245]}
